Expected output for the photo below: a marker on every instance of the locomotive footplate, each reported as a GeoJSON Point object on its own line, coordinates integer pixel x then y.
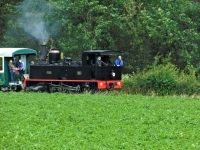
{"type": "Point", "coordinates": [71, 85]}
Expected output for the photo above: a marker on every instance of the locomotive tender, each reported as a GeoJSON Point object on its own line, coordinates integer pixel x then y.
{"type": "Point", "coordinates": [53, 74]}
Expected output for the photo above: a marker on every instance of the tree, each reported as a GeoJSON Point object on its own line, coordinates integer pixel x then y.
{"type": "Point", "coordinates": [162, 27]}
{"type": "Point", "coordinates": [141, 29]}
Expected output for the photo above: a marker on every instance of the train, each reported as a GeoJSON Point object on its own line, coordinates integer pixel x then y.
{"type": "Point", "coordinates": [54, 72]}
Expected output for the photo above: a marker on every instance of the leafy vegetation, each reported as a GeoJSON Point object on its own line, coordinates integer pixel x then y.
{"type": "Point", "coordinates": [163, 79]}
{"type": "Point", "coordinates": [100, 121]}
{"type": "Point", "coordinates": [140, 29]}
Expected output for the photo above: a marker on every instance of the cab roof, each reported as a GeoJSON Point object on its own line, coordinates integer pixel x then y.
{"type": "Point", "coordinates": [11, 52]}
{"type": "Point", "coordinates": [102, 52]}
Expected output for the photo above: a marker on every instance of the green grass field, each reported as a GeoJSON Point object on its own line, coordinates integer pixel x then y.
{"type": "Point", "coordinates": [98, 121]}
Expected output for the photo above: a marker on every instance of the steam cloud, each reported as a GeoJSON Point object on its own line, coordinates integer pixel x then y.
{"type": "Point", "coordinates": [34, 19]}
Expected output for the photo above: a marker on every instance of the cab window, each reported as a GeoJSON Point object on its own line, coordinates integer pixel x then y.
{"type": "Point", "coordinates": [1, 63]}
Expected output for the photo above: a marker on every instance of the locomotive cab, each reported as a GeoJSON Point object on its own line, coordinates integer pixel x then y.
{"type": "Point", "coordinates": [105, 72]}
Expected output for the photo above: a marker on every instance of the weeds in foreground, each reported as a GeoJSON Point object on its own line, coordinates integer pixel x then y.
{"type": "Point", "coordinates": [98, 121]}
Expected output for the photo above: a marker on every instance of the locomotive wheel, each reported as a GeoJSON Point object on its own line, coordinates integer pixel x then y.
{"type": "Point", "coordinates": [51, 90]}
{"type": "Point", "coordinates": [61, 90]}
{"type": "Point", "coordinates": [18, 88]}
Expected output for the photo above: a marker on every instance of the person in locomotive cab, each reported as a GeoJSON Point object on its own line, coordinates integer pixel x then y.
{"type": "Point", "coordinates": [32, 63]}
{"type": "Point", "coordinates": [12, 74]}
{"type": "Point", "coordinates": [99, 62]}
{"type": "Point", "coordinates": [119, 61]}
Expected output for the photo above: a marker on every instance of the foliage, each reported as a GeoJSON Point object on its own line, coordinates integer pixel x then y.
{"type": "Point", "coordinates": [91, 25]}
{"type": "Point", "coordinates": [140, 29]}
{"type": "Point", "coordinates": [188, 84]}
{"type": "Point", "coordinates": [84, 121]}
{"type": "Point", "coordinates": [161, 27]}
{"type": "Point", "coordinates": [163, 79]}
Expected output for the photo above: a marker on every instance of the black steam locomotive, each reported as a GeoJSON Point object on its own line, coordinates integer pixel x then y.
{"type": "Point", "coordinates": [53, 74]}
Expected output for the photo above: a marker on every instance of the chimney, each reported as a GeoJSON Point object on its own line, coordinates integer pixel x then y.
{"type": "Point", "coordinates": [43, 52]}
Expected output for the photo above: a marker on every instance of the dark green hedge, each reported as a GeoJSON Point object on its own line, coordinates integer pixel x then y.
{"type": "Point", "coordinates": [163, 79]}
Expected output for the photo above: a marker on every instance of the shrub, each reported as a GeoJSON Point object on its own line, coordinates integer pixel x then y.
{"type": "Point", "coordinates": [160, 79]}
{"type": "Point", "coordinates": [187, 84]}
{"type": "Point", "coordinates": [164, 79]}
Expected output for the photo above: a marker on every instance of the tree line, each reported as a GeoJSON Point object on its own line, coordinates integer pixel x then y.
{"type": "Point", "coordinates": [141, 29]}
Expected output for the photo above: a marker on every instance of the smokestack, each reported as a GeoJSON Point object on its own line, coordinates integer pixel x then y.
{"type": "Point", "coordinates": [43, 55]}
{"type": "Point", "coordinates": [43, 52]}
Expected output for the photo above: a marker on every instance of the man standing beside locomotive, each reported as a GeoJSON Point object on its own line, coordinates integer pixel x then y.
{"type": "Point", "coordinates": [119, 61]}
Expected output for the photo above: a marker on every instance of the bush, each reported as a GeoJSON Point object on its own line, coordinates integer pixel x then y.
{"type": "Point", "coordinates": [164, 79]}
{"type": "Point", "coordinates": [187, 84]}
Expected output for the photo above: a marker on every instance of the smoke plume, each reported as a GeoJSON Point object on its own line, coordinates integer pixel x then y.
{"type": "Point", "coordinates": [35, 19]}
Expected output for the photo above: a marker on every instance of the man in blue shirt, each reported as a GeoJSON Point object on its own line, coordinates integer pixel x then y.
{"type": "Point", "coordinates": [21, 67]}
{"type": "Point", "coordinates": [119, 61]}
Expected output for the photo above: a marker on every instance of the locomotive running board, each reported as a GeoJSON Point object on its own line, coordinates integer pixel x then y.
{"type": "Point", "coordinates": [101, 84]}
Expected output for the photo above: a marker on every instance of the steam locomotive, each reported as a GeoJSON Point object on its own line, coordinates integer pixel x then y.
{"type": "Point", "coordinates": [53, 74]}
